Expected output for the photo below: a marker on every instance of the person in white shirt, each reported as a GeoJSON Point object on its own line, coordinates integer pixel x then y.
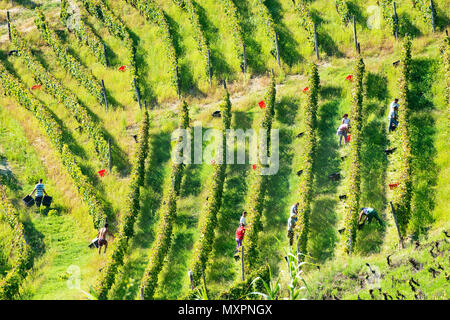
{"type": "Point", "coordinates": [242, 221]}
{"type": "Point", "coordinates": [342, 133]}
{"type": "Point", "coordinates": [393, 105]}
{"type": "Point", "coordinates": [393, 119]}
{"type": "Point", "coordinates": [346, 120]}
{"type": "Point", "coordinates": [294, 209]}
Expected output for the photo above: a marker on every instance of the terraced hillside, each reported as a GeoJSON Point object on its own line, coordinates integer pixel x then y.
{"type": "Point", "coordinates": [92, 85]}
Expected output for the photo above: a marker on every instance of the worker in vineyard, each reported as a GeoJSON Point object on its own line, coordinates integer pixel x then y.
{"type": "Point", "coordinates": [342, 133]}
{"type": "Point", "coordinates": [393, 122]}
{"type": "Point", "coordinates": [346, 120]}
{"type": "Point", "coordinates": [290, 228]}
{"type": "Point", "coordinates": [240, 232]}
{"type": "Point", "coordinates": [369, 214]}
{"type": "Point", "coordinates": [393, 105]}
{"type": "Point", "coordinates": [242, 221]}
{"type": "Point", "coordinates": [101, 235]}
{"type": "Point", "coordinates": [294, 209]}
{"type": "Point", "coordinates": [40, 191]}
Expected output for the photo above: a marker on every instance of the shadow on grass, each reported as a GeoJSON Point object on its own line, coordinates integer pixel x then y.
{"type": "Point", "coordinates": [127, 283]}
{"type": "Point", "coordinates": [376, 86]}
{"type": "Point", "coordinates": [322, 236]}
{"type": "Point", "coordinates": [287, 109]}
{"type": "Point", "coordinates": [422, 135]}
{"type": "Point", "coordinates": [288, 45]}
{"type": "Point", "coordinates": [405, 26]}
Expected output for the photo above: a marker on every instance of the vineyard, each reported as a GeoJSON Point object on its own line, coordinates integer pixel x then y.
{"type": "Point", "coordinates": [169, 119]}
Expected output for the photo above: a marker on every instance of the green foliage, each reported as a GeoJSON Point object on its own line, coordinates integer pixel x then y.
{"type": "Point", "coordinates": [84, 33]}
{"type": "Point", "coordinates": [126, 229]}
{"type": "Point", "coordinates": [199, 36]}
{"type": "Point", "coordinates": [234, 25]}
{"type": "Point", "coordinates": [62, 94]}
{"type": "Point", "coordinates": [208, 216]}
{"type": "Point", "coordinates": [117, 28]}
{"type": "Point", "coordinates": [267, 23]}
{"type": "Point", "coordinates": [67, 61]}
{"type": "Point", "coordinates": [305, 19]}
{"type": "Point", "coordinates": [343, 11]}
{"type": "Point", "coordinates": [87, 192]}
{"type": "Point", "coordinates": [153, 13]}
{"type": "Point", "coordinates": [240, 289]}
{"type": "Point", "coordinates": [305, 191]}
{"type": "Point", "coordinates": [10, 284]}
{"type": "Point", "coordinates": [388, 14]}
{"type": "Point", "coordinates": [257, 190]}
{"type": "Point", "coordinates": [445, 54]}
{"type": "Point", "coordinates": [168, 213]}
{"type": "Point", "coordinates": [424, 7]}
{"type": "Point", "coordinates": [403, 193]}
{"type": "Point", "coordinates": [353, 184]}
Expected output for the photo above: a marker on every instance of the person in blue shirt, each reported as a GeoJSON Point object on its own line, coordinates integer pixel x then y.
{"type": "Point", "coordinates": [40, 191]}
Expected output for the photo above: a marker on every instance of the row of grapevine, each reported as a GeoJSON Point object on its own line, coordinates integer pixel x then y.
{"type": "Point", "coordinates": [62, 94]}
{"type": "Point", "coordinates": [388, 14]}
{"type": "Point", "coordinates": [445, 53]}
{"type": "Point", "coordinates": [199, 36]}
{"type": "Point", "coordinates": [208, 216]}
{"type": "Point", "coordinates": [305, 19]}
{"type": "Point", "coordinates": [425, 9]}
{"type": "Point", "coordinates": [306, 178]}
{"type": "Point", "coordinates": [67, 61]}
{"type": "Point", "coordinates": [13, 87]}
{"type": "Point", "coordinates": [267, 23]}
{"type": "Point", "coordinates": [153, 13]}
{"type": "Point", "coordinates": [126, 228]}
{"type": "Point", "coordinates": [258, 187]}
{"type": "Point", "coordinates": [403, 192]}
{"type": "Point", "coordinates": [83, 32]}
{"type": "Point", "coordinates": [23, 256]}
{"type": "Point", "coordinates": [233, 23]}
{"type": "Point", "coordinates": [116, 28]}
{"type": "Point", "coordinates": [167, 215]}
{"type": "Point", "coordinates": [343, 11]}
{"type": "Point", "coordinates": [353, 180]}
{"type": "Point", "coordinates": [241, 289]}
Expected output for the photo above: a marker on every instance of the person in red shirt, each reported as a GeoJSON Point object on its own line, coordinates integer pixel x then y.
{"type": "Point", "coordinates": [239, 236]}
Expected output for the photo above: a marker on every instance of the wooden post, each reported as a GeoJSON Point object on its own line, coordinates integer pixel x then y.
{"type": "Point", "coordinates": [350, 244]}
{"type": "Point", "coordinates": [396, 224]}
{"type": "Point", "coordinates": [104, 95]}
{"type": "Point", "coordinates": [395, 21]}
{"type": "Point", "coordinates": [178, 83]}
{"type": "Point", "coordinates": [9, 25]}
{"type": "Point", "coordinates": [432, 16]}
{"type": "Point", "coordinates": [354, 33]}
{"type": "Point", "coordinates": [204, 282]}
{"type": "Point", "coordinates": [225, 84]}
{"type": "Point", "coordinates": [137, 93]}
{"type": "Point", "coordinates": [242, 263]}
{"type": "Point", "coordinates": [141, 293]}
{"type": "Point", "coordinates": [359, 49]}
{"type": "Point", "coordinates": [278, 49]}
{"type": "Point", "coordinates": [209, 67]}
{"type": "Point", "coordinates": [244, 50]}
{"type": "Point", "coordinates": [316, 45]}
{"type": "Point", "coordinates": [109, 155]}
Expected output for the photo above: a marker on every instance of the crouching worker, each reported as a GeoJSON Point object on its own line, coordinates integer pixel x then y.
{"type": "Point", "coordinates": [40, 191]}
{"type": "Point", "coordinates": [369, 214]}
{"type": "Point", "coordinates": [290, 229]}
{"type": "Point", "coordinates": [240, 232]}
{"type": "Point", "coordinates": [342, 133]}
{"type": "Point", "coordinates": [101, 235]}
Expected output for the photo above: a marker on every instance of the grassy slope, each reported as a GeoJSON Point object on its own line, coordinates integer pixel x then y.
{"type": "Point", "coordinates": [335, 100]}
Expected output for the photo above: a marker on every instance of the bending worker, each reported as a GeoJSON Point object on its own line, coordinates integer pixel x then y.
{"type": "Point", "coordinates": [369, 214]}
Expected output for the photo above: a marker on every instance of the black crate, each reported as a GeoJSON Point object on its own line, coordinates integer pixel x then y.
{"type": "Point", "coordinates": [28, 200]}
{"type": "Point", "coordinates": [47, 201]}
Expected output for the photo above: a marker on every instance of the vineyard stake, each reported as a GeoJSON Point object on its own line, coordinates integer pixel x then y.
{"type": "Point", "coordinates": [395, 20]}
{"type": "Point", "coordinates": [9, 24]}
{"type": "Point", "coordinates": [244, 51]}
{"type": "Point", "coordinates": [209, 67]}
{"type": "Point", "coordinates": [204, 282]}
{"type": "Point", "coordinates": [109, 155]}
{"type": "Point", "coordinates": [178, 83]}
{"type": "Point", "coordinates": [242, 263]}
{"type": "Point", "coordinates": [396, 224]}
{"type": "Point", "coordinates": [359, 49]}
{"type": "Point", "coordinates": [354, 33]}
{"type": "Point", "coordinates": [104, 95]}
{"type": "Point", "coordinates": [350, 239]}
{"type": "Point", "coordinates": [432, 16]}
{"type": "Point", "coordinates": [190, 274]}
{"type": "Point", "coordinates": [278, 49]}
{"type": "Point", "coordinates": [137, 93]}
{"type": "Point", "coordinates": [141, 294]}
{"type": "Point", "coordinates": [316, 45]}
